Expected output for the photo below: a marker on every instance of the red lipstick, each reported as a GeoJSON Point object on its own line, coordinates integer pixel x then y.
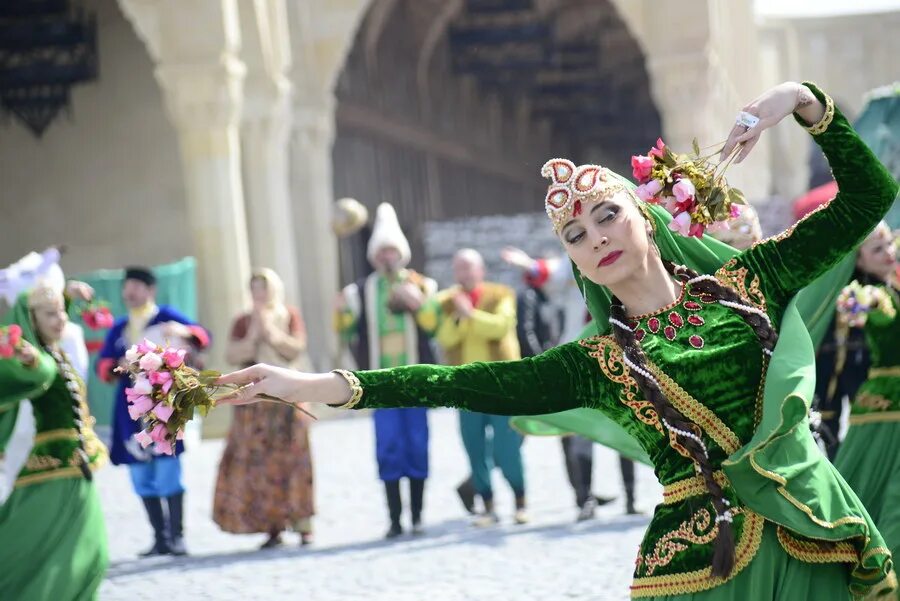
{"type": "Point", "coordinates": [610, 258]}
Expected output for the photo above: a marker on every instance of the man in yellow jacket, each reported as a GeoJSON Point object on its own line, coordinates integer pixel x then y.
{"type": "Point", "coordinates": [478, 323]}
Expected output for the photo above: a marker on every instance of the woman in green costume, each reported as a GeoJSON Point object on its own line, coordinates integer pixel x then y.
{"type": "Point", "coordinates": [51, 526]}
{"type": "Point", "coordinates": [703, 368]}
{"type": "Point", "coordinates": [869, 458]}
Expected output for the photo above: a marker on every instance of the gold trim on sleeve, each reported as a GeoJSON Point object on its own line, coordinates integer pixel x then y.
{"type": "Point", "coordinates": [822, 124]}
{"type": "Point", "coordinates": [885, 372]}
{"type": "Point", "coordinates": [356, 388]}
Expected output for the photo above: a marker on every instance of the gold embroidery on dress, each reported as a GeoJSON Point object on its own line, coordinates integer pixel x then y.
{"type": "Point", "coordinates": [36, 463]}
{"type": "Point", "coordinates": [876, 402]}
{"type": "Point", "coordinates": [606, 351]}
{"type": "Point", "coordinates": [691, 487]}
{"type": "Point", "coordinates": [699, 529]}
{"type": "Point", "coordinates": [736, 277]}
{"type": "Point", "coordinates": [701, 580]}
{"type": "Point", "coordinates": [875, 418]}
{"type": "Point", "coordinates": [816, 551]}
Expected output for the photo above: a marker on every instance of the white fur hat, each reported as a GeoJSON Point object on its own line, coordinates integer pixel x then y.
{"type": "Point", "coordinates": [387, 232]}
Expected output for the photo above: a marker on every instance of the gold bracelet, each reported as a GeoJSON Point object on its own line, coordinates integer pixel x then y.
{"type": "Point", "coordinates": [356, 388]}
{"type": "Point", "coordinates": [822, 124]}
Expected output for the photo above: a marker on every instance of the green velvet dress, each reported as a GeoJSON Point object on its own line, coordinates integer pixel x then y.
{"type": "Point", "coordinates": [807, 536]}
{"type": "Point", "coordinates": [869, 458]}
{"type": "Point", "coordinates": [52, 528]}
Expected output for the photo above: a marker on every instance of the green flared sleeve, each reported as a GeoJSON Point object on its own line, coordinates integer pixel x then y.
{"type": "Point", "coordinates": [562, 378]}
{"type": "Point", "coordinates": [19, 382]}
{"type": "Point", "coordinates": [788, 262]}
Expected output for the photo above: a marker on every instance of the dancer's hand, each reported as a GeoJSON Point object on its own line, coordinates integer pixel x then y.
{"type": "Point", "coordinates": [462, 304]}
{"type": "Point", "coordinates": [517, 258]}
{"type": "Point", "coordinates": [286, 384]}
{"type": "Point", "coordinates": [771, 107]}
{"type": "Point", "coordinates": [79, 290]}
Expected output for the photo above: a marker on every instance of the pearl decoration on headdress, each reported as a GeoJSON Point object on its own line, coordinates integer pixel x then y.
{"type": "Point", "coordinates": [571, 187]}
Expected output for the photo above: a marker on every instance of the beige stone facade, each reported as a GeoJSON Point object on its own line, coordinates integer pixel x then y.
{"type": "Point", "coordinates": [216, 141]}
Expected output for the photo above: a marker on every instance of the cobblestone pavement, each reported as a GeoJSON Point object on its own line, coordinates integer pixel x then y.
{"type": "Point", "coordinates": [551, 558]}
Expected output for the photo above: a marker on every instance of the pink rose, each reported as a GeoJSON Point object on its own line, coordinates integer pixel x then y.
{"type": "Point", "coordinates": [684, 190]}
{"type": "Point", "coordinates": [735, 211]}
{"type": "Point", "coordinates": [141, 386]}
{"type": "Point", "coordinates": [7, 351]}
{"type": "Point", "coordinates": [158, 378]}
{"type": "Point", "coordinates": [647, 192]}
{"type": "Point", "coordinates": [146, 346]}
{"type": "Point", "coordinates": [143, 438]}
{"type": "Point", "coordinates": [158, 433]}
{"type": "Point", "coordinates": [697, 230]}
{"type": "Point", "coordinates": [164, 446]}
{"type": "Point", "coordinates": [14, 333]}
{"type": "Point", "coordinates": [681, 224]}
{"type": "Point", "coordinates": [671, 205]}
{"type": "Point", "coordinates": [139, 406]}
{"type": "Point", "coordinates": [641, 167]}
{"type": "Point", "coordinates": [658, 150]}
{"type": "Point", "coordinates": [132, 355]}
{"type": "Point", "coordinates": [174, 358]}
{"type": "Point", "coordinates": [163, 412]}
{"type": "Point", "coordinates": [151, 362]}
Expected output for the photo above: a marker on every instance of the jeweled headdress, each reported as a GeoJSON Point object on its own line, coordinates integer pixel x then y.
{"type": "Point", "coordinates": [573, 187]}
{"type": "Point", "coordinates": [44, 293]}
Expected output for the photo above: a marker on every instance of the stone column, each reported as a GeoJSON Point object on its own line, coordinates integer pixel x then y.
{"type": "Point", "coordinates": [204, 104]}
{"type": "Point", "coordinates": [312, 189]}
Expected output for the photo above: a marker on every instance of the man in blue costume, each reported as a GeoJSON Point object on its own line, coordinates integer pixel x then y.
{"type": "Point", "coordinates": [155, 476]}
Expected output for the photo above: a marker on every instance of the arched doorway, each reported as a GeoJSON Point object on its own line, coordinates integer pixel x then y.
{"type": "Point", "coordinates": [448, 108]}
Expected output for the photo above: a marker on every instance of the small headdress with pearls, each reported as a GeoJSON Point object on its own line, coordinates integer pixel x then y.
{"type": "Point", "coordinates": [573, 187]}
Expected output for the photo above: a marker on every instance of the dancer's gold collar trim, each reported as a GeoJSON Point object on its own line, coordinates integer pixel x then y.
{"type": "Point", "coordinates": [574, 187]}
{"type": "Point", "coordinates": [356, 388]}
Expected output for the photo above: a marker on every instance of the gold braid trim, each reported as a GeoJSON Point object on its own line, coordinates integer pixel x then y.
{"type": "Point", "coordinates": [699, 529]}
{"type": "Point", "coordinates": [356, 388]}
{"type": "Point", "coordinates": [735, 277]}
{"type": "Point", "coordinates": [874, 418]}
{"type": "Point", "coordinates": [885, 372]}
{"type": "Point", "coordinates": [814, 551]}
{"type": "Point", "coordinates": [822, 124]}
{"type": "Point", "coordinates": [694, 486]}
{"type": "Point", "coordinates": [63, 472]}
{"type": "Point", "coordinates": [59, 434]}
{"type": "Point", "coordinates": [696, 411]}
{"type": "Point", "coordinates": [701, 580]}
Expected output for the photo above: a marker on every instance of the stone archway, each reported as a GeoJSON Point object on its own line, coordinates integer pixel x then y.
{"type": "Point", "coordinates": [448, 109]}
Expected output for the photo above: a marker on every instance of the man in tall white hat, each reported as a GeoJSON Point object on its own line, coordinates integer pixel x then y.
{"type": "Point", "coordinates": [387, 318]}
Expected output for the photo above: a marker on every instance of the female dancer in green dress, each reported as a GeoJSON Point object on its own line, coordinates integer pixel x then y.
{"type": "Point", "coordinates": [51, 525]}
{"type": "Point", "coordinates": [869, 457]}
{"type": "Point", "coordinates": [705, 363]}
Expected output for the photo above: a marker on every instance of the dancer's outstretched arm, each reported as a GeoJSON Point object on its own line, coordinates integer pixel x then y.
{"type": "Point", "coordinates": [562, 378]}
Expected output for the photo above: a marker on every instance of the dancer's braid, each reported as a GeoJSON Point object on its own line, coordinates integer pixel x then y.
{"type": "Point", "coordinates": [686, 433]}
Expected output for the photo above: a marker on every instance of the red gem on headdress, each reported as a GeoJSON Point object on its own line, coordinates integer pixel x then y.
{"type": "Point", "coordinates": [693, 306]}
{"type": "Point", "coordinates": [639, 334]}
{"type": "Point", "coordinates": [669, 331]}
{"type": "Point", "coordinates": [586, 178]}
{"type": "Point", "coordinates": [576, 209]}
{"type": "Point", "coordinates": [695, 320]}
{"type": "Point", "coordinates": [675, 319]}
{"type": "Point", "coordinates": [707, 298]}
{"type": "Point", "coordinates": [653, 323]}
{"type": "Point", "coordinates": [696, 341]}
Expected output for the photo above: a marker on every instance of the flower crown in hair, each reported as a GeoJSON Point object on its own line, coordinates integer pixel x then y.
{"type": "Point", "coordinates": [572, 187]}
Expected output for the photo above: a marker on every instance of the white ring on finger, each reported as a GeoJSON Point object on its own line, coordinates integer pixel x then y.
{"type": "Point", "coordinates": [747, 120]}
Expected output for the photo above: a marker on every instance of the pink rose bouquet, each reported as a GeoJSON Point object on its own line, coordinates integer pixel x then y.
{"type": "Point", "coordinates": [166, 392]}
{"type": "Point", "coordinates": [10, 340]}
{"type": "Point", "coordinates": [690, 187]}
